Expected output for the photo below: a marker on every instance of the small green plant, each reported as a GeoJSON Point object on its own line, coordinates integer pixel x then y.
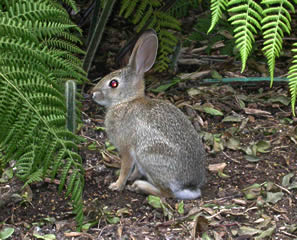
{"type": "Point", "coordinates": [70, 92]}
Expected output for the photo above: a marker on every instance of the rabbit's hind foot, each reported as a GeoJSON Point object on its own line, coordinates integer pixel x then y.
{"type": "Point", "coordinates": [142, 186]}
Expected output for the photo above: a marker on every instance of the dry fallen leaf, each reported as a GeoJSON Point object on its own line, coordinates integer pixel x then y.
{"type": "Point", "coordinates": [200, 226]}
{"type": "Point", "coordinates": [239, 201]}
{"type": "Point", "coordinates": [218, 167]}
{"type": "Point", "coordinates": [258, 112]}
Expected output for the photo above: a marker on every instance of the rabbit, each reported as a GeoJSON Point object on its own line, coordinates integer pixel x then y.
{"type": "Point", "coordinates": [154, 138]}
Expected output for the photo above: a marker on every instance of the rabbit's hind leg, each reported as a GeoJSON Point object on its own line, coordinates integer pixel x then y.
{"type": "Point", "coordinates": [147, 188]}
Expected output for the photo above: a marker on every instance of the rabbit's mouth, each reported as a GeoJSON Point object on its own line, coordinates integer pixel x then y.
{"type": "Point", "coordinates": [98, 97]}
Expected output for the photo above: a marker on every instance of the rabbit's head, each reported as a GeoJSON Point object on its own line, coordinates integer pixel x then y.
{"type": "Point", "coordinates": [127, 83]}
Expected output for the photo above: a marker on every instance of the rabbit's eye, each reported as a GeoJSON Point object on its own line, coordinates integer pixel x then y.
{"type": "Point", "coordinates": [113, 83]}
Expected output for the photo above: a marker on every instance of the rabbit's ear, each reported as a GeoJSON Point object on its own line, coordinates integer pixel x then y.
{"type": "Point", "coordinates": [144, 53]}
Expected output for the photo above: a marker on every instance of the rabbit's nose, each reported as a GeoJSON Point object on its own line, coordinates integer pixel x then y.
{"type": "Point", "coordinates": [97, 95]}
{"type": "Point", "coordinates": [94, 94]}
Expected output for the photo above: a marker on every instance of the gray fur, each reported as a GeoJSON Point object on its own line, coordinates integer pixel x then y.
{"type": "Point", "coordinates": [161, 140]}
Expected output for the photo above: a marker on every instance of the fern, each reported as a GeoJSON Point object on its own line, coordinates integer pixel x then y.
{"type": "Point", "coordinates": [276, 21]}
{"type": "Point", "coordinates": [247, 18]}
{"type": "Point", "coordinates": [167, 39]}
{"type": "Point", "coordinates": [216, 7]}
{"type": "Point", "coordinates": [146, 11]}
{"type": "Point", "coordinates": [35, 177]}
{"type": "Point", "coordinates": [181, 7]}
{"type": "Point", "coordinates": [293, 78]}
{"type": "Point", "coordinates": [71, 3]}
{"type": "Point", "coordinates": [37, 48]}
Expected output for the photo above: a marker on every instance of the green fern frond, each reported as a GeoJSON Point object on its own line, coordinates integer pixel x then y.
{"type": "Point", "coordinates": [144, 12]}
{"type": "Point", "coordinates": [37, 48]}
{"type": "Point", "coordinates": [43, 11]}
{"type": "Point", "coordinates": [48, 29]}
{"type": "Point", "coordinates": [247, 18]}
{"type": "Point", "coordinates": [217, 7]}
{"type": "Point", "coordinates": [124, 6]}
{"type": "Point", "coordinates": [276, 21]}
{"type": "Point", "coordinates": [72, 4]}
{"type": "Point", "coordinates": [181, 8]}
{"type": "Point", "coordinates": [16, 29]}
{"type": "Point", "coordinates": [35, 177]}
{"type": "Point", "coordinates": [65, 170]}
{"type": "Point", "coordinates": [128, 6]}
{"type": "Point", "coordinates": [293, 79]}
{"type": "Point", "coordinates": [24, 165]}
{"type": "Point", "coordinates": [139, 13]}
{"type": "Point", "coordinates": [167, 21]}
{"type": "Point", "coordinates": [44, 55]}
{"type": "Point", "coordinates": [8, 61]}
{"type": "Point", "coordinates": [167, 42]}
{"type": "Point", "coordinates": [148, 14]}
{"type": "Point", "coordinates": [54, 43]}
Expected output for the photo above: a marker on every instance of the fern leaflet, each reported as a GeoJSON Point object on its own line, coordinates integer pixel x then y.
{"type": "Point", "coordinates": [216, 7]}
{"type": "Point", "coordinates": [276, 21]}
{"type": "Point", "coordinates": [293, 78]}
{"type": "Point", "coordinates": [247, 18]}
{"type": "Point", "coordinates": [143, 12]}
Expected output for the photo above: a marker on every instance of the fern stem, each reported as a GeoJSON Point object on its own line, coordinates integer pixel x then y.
{"type": "Point", "coordinates": [96, 38]}
{"type": "Point", "coordinates": [70, 91]}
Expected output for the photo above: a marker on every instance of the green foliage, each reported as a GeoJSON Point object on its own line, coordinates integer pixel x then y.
{"type": "Point", "coordinates": [271, 17]}
{"type": "Point", "coordinates": [181, 7]}
{"type": "Point", "coordinates": [144, 11]}
{"type": "Point", "coordinates": [293, 78]}
{"type": "Point", "coordinates": [276, 21]}
{"type": "Point", "coordinates": [246, 18]}
{"type": "Point", "coordinates": [199, 34]}
{"type": "Point", "coordinates": [37, 56]}
{"type": "Point", "coordinates": [216, 7]}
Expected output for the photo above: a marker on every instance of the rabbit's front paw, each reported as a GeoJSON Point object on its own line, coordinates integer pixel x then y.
{"type": "Point", "coordinates": [116, 186]}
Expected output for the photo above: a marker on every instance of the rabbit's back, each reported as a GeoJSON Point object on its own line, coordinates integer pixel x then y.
{"type": "Point", "coordinates": [166, 147]}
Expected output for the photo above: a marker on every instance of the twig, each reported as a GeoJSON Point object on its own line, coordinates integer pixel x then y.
{"type": "Point", "coordinates": [289, 234]}
{"type": "Point", "coordinates": [249, 209]}
{"type": "Point", "coordinates": [218, 213]}
{"type": "Point", "coordinates": [224, 198]}
{"type": "Point", "coordinates": [282, 188]}
{"type": "Point", "coordinates": [180, 219]}
{"type": "Point", "coordinates": [55, 181]}
{"type": "Point", "coordinates": [78, 234]}
{"type": "Point", "coordinates": [232, 159]}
